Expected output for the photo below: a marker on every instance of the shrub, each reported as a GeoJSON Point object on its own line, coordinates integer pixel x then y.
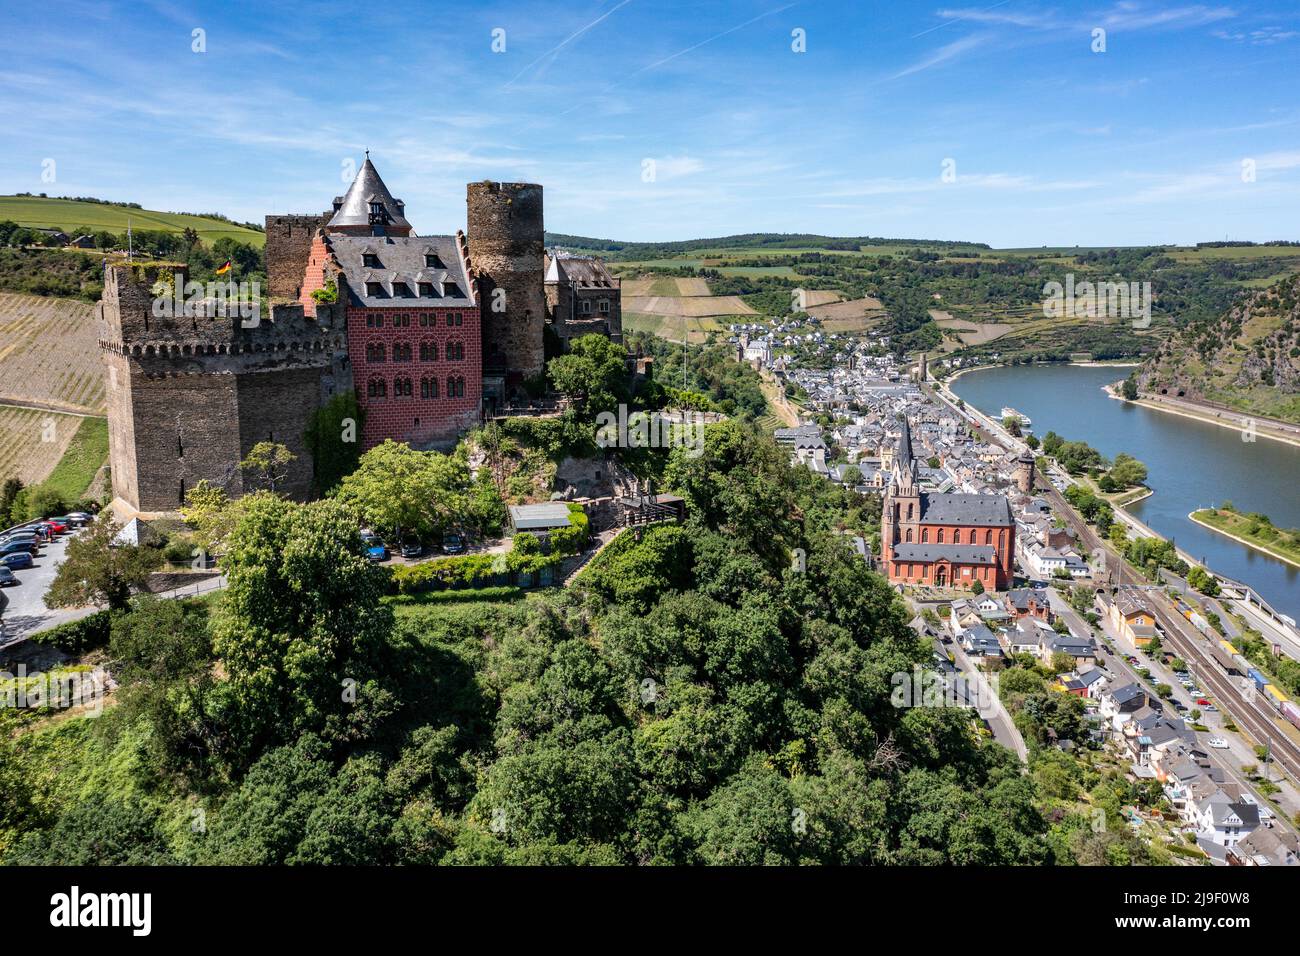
{"type": "Point", "coordinates": [80, 636]}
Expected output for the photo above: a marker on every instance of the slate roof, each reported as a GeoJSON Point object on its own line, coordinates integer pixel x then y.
{"type": "Point", "coordinates": [991, 511]}
{"type": "Point", "coordinates": [955, 553]}
{"type": "Point", "coordinates": [353, 207]}
{"type": "Point", "coordinates": [586, 272]}
{"type": "Point", "coordinates": [402, 264]}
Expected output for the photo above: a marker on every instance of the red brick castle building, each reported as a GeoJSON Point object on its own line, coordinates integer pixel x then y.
{"type": "Point", "coordinates": [943, 540]}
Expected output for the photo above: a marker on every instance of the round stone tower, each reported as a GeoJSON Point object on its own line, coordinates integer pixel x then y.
{"type": "Point", "coordinates": [506, 242]}
{"type": "Point", "coordinates": [1025, 473]}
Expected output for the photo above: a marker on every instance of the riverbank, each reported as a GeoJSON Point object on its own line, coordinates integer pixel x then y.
{"type": "Point", "coordinates": [1200, 517]}
{"type": "Point", "coordinates": [1105, 363]}
{"type": "Point", "coordinates": [1212, 416]}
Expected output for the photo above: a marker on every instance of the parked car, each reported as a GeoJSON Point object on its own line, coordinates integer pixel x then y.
{"type": "Point", "coordinates": [376, 550]}
{"type": "Point", "coordinates": [17, 559]}
{"type": "Point", "coordinates": [6, 577]}
{"type": "Point", "coordinates": [27, 546]}
{"type": "Point", "coordinates": [1218, 743]}
{"type": "Point", "coordinates": [453, 543]}
{"type": "Point", "coordinates": [26, 536]}
{"type": "Point", "coordinates": [1203, 702]}
{"type": "Point", "coordinates": [55, 525]}
{"type": "Point", "coordinates": [79, 518]}
{"type": "Point", "coordinates": [411, 548]}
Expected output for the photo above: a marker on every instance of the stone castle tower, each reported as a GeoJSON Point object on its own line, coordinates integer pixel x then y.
{"type": "Point", "coordinates": [188, 397]}
{"type": "Point", "coordinates": [506, 243]}
{"type": "Point", "coordinates": [1024, 473]}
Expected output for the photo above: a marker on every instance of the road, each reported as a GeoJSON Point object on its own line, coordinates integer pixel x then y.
{"type": "Point", "coordinates": [1256, 718]}
{"type": "Point", "coordinates": [1230, 760]}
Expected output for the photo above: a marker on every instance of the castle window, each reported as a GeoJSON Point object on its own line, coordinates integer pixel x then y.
{"type": "Point", "coordinates": [371, 261]}
{"type": "Point", "coordinates": [455, 351]}
{"type": "Point", "coordinates": [370, 321]}
{"type": "Point", "coordinates": [403, 320]}
{"type": "Point", "coordinates": [972, 536]}
{"type": "Point", "coordinates": [909, 534]}
{"type": "Point", "coordinates": [375, 352]}
{"type": "Point", "coordinates": [586, 307]}
{"type": "Point", "coordinates": [401, 351]}
{"type": "Point", "coordinates": [428, 388]}
{"type": "Point", "coordinates": [939, 536]}
{"type": "Point", "coordinates": [426, 291]}
{"type": "Point", "coordinates": [925, 535]}
{"type": "Point", "coordinates": [988, 537]}
{"type": "Point", "coordinates": [450, 289]}
{"type": "Point", "coordinates": [432, 261]}
{"type": "Point", "coordinates": [402, 388]}
{"type": "Point", "coordinates": [377, 388]}
{"type": "Point", "coordinates": [604, 306]}
{"type": "Point", "coordinates": [402, 290]}
{"type": "Point", "coordinates": [375, 290]}
{"type": "Point", "coordinates": [455, 388]}
{"type": "Point", "coordinates": [428, 351]}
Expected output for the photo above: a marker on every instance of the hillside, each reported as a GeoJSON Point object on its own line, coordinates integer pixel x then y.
{"type": "Point", "coordinates": [1247, 359]}
{"type": "Point", "coordinates": [71, 215]}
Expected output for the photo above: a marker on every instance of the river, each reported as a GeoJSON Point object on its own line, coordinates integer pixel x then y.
{"type": "Point", "coordinates": [1190, 464]}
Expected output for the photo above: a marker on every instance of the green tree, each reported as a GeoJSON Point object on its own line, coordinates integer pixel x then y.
{"type": "Point", "coordinates": [593, 374]}
{"type": "Point", "coordinates": [334, 439]}
{"type": "Point", "coordinates": [398, 490]}
{"type": "Point", "coordinates": [97, 571]}
{"type": "Point", "coordinates": [268, 464]}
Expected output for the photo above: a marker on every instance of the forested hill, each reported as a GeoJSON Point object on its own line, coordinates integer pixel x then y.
{"type": "Point", "coordinates": [1248, 358]}
{"type": "Point", "coordinates": [692, 699]}
{"type": "Point", "coordinates": [755, 241]}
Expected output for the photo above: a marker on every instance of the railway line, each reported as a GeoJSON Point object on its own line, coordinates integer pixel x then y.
{"type": "Point", "coordinates": [1260, 722]}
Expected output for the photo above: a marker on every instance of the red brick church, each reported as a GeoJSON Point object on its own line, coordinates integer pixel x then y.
{"type": "Point", "coordinates": [943, 540]}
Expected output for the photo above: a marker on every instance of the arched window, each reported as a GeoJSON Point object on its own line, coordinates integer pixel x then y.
{"type": "Point", "coordinates": [939, 536]}
{"type": "Point", "coordinates": [428, 388]}
{"type": "Point", "coordinates": [925, 535]}
{"type": "Point", "coordinates": [988, 537]}
{"type": "Point", "coordinates": [909, 512]}
{"type": "Point", "coordinates": [374, 351]}
{"type": "Point", "coordinates": [455, 351]}
{"type": "Point", "coordinates": [402, 388]}
{"type": "Point", "coordinates": [909, 534]}
{"type": "Point", "coordinates": [401, 351]}
{"type": "Point", "coordinates": [428, 351]}
{"type": "Point", "coordinates": [377, 388]}
{"type": "Point", "coordinates": [972, 535]}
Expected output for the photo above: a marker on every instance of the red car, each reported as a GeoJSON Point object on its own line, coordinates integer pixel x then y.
{"type": "Point", "coordinates": [55, 527]}
{"type": "Point", "coordinates": [1202, 702]}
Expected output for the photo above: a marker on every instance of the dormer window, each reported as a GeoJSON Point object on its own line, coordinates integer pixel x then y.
{"type": "Point", "coordinates": [427, 291]}
{"type": "Point", "coordinates": [432, 261]}
{"type": "Point", "coordinates": [401, 290]}
{"type": "Point", "coordinates": [371, 261]}
{"type": "Point", "coordinates": [375, 290]}
{"type": "Point", "coordinates": [450, 289]}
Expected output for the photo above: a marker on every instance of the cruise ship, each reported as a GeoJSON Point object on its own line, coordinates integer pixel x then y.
{"type": "Point", "coordinates": [1009, 412]}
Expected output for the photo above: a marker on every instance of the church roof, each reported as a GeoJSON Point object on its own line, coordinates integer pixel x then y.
{"type": "Point", "coordinates": [353, 207]}
{"type": "Point", "coordinates": [991, 511]}
{"type": "Point", "coordinates": [955, 553]}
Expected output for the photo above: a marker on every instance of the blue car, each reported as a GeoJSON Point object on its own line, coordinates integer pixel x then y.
{"type": "Point", "coordinates": [17, 559]}
{"type": "Point", "coordinates": [376, 550]}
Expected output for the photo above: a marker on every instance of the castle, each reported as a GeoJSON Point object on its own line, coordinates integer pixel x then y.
{"type": "Point", "coordinates": [943, 540]}
{"type": "Point", "coordinates": [431, 333]}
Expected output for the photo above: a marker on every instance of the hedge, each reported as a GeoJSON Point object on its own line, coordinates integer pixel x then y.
{"type": "Point", "coordinates": [80, 636]}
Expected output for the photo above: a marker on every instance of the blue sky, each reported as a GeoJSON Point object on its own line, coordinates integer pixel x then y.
{"type": "Point", "coordinates": [1050, 142]}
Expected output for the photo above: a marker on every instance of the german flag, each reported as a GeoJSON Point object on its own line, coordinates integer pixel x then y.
{"type": "Point", "coordinates": [224, 269]}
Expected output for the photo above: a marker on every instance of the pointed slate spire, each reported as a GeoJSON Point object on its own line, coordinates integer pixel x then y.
{"type": "Point", "coordinates": [366, 199]}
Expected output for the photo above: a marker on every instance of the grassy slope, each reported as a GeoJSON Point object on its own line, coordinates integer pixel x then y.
{"type": "Point", "coordinates": [83, 458]}
{"type": "Point", "coordinates": [66, 214]}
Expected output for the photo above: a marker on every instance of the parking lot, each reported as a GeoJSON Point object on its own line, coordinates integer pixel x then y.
{"type": "Point", "coordinates": [26, 611]}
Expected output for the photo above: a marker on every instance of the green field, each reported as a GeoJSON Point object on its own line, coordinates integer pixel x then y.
{"type": "Point", "coordinates": [85, 454]}
{"type": "Point", "coordinates": [67, 215]}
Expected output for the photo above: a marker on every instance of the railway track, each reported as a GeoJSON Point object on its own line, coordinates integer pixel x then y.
{"type": "Point", "coordinates": [1259, 721]}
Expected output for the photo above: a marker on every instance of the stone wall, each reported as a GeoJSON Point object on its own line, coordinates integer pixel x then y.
{"type": "Point", "coordinates": [288, 240]}
{"type": "Point", "coordinates": [506, 251]}
{"type": "Point", "coordinates": [189, 396]}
